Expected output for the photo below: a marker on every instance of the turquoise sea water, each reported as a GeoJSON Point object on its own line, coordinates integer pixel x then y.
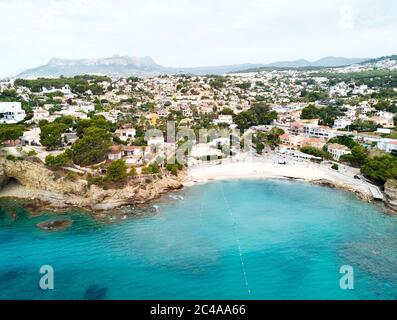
{"type": "Point", "coordinates": [223, 240]}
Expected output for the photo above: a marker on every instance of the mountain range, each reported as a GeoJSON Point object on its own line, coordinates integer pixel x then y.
{"type": "Point", "coordinates": [121, 66]}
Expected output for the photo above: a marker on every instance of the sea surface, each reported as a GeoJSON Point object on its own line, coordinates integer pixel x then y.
{"type": "Point", "coordinates": [223, 240]}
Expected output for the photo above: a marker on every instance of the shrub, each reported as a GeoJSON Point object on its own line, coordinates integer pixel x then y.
{"type": "Point", "coordinates": [71, 176]}
{"type": "Point", "coordinates": [132, 171]}
{"type": "Point", "coordinates": [117, 171]}
{"type": "Point", "coordinates": [151, 169]}
{"type": "Point", "coordinates": [335, 166]}
{"type": "Point", "coordinates": [32, 153]}
{"type": "Point", "coordinates": [10, 157]}
{"type": "Point", "coordinates": [61, 160]}
{"type": "Point", "coordinates": [96, 180]}
{"type": "Point", "coordinates": [316, 152]}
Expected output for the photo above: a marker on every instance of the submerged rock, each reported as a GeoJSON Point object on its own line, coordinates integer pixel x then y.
{"type": "Point", "coordinates": [95, 292]}
{"type": "Point", "coordinates": [55, 225]}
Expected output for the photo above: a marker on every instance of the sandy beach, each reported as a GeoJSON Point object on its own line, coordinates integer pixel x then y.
{"type": "Point", "coordinates": [269, 168]}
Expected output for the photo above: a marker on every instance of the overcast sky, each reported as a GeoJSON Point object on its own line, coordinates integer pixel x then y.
{"type": "Point", "coordinates": [194, 32]}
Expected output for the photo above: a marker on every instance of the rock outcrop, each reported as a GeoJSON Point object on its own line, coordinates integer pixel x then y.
{"type": "Point", "coordinates": [41, 184]}
{"type": "Point", "coordinates": [391, 194]}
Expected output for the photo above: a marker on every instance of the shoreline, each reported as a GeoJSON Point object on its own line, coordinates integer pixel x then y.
{"type": "Point", "coordinates": [115, 200]}
{"type": "Point", "coordinates": [266, 169]}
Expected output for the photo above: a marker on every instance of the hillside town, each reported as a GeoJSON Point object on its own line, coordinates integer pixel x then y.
{"type": "Point", "coordinates": [90, 123]}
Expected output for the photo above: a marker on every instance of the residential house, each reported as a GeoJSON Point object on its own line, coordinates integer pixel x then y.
{"type": "Point", "coordinates": [40, 114]}
{"type": "Point", "coordinates": [31, 137]}
{"type": "Point", "coordinates": [11, 112]}
{"type": "Point", "coordinates": [384, 122]}
{"type": "Point", "coordinates": [115, 153]}
{"type": "Point", "coordinates": [341, 123]}
{"type": "Point", "coordinates": [224, 118]}
{"type": "Point", "coordinates": [337, 150]}
{"type": "Point", "coordinates": [318, 143]}
{"type": "Point", "coordinates": [388, 145]}
{"type": "Point", "coordinates": [126, 134]}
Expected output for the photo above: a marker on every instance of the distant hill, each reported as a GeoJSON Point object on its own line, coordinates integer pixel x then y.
{"type": "Point", "coordinates": [305, 64]}
{"type": "Point", "coordinates": [122, 66]}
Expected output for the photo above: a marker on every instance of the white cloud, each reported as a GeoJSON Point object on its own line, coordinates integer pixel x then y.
{"type": "Point", "coordinates": [193, 32]}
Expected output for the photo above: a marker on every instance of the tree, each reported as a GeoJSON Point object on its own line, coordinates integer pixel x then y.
{"type": "Point", "coordinates": [92, 148]}
{"type": "Point", "coordinates": [227, 111]}
{"type": "Point", "coordinates": [316, 152]}
{"type": "Point", "coordinates": [344, 140]}
{"type": "Point", "coordinates": [357, 157]}
{"type": "Point", "coordinates": [10, 132]}
{"type": "Point", "coordinates": [310, 112]}
{"type": "Point", "coordinates": [117, 171]}
{"type": "Point", "coordinates": [380, 168]}
{"type": "Point", "coordinates": [273, 136]}
{"type": "Point", "coordinates": [269, 117]}
{"type": "Point", "coordinates": [245, 120]}
{"type": "Point", "coordinates": [61, 160]}
{"type": "Point", "coordinates": [95, 121]}
{"type": "Point", "coordinates": [51, 135]}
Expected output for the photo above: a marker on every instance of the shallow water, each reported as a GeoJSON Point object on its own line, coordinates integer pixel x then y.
{"type": "Point", "coordinates": [223, 240]}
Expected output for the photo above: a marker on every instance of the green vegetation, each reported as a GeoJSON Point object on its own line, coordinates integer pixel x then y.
{"type": "Point", "coordinates": [116, 171]}
{"type": "Point", "coordinates": [270, 138]}
{"type": "Point", "coordinates": [357, 157]}
{"type": "Point", "coordinates": [78, 84]}
{"type": "Point", "coordinates": [373, 78]}
{"type": "Point", "coordinates": [173, 166]}
{"type": "Point", "coordinates": [313, 96]}
{"type": "Point", "coordinates": [363, 126]}
{"type": "Point", "coordinates": [335, 167]}
{"type": "Point", "coordinates": [151, 169]}
{"type": "Point", "coordinates": [244, 85]}
{"type": "Point", "coordinates": [95, 121]}
{"type": "Point", "coordinates": [217, 82]}
{"type": "Point", "coordinates": [326, 115]}
{"type": "Point", "coordinates": [316, 152]}
{"type": "Point", "coordinates": [92, 148]}
{"type": "Point", "coordinates": [259, 114]}
{"type": "Point", "coordinates": [344, 140]}
{"type": "Point", "coordinates": [62, 160]}
{"type": "Point", "coordinates": [380, 168]}
{"type": "Point", "coordinates": [51, 135]}
{"type": "Point", "coordinates": [10, 132]}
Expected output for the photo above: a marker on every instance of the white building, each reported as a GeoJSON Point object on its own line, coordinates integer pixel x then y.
{"type": "Point", "coordinates": [40, 114]}
{"type": "Point", "coordinates": [338, 150]}
{"type": "Point", "coordinates": [31, 137]}
{"type": "Point", "coordinates": [11, 112]}
{"type": "Point", "coordinates": [388, 145]}
{"type": "Point", "coordinates": [318, 131]}
{"type": "Point", "coordinates": [224, 118]}
{"type": "Point", "coordinates": [341, 123]}
{"type": "Point", "coordinates": [126, 134]}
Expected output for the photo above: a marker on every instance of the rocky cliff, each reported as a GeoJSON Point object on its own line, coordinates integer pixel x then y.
{"type": "Point", "coordinates": [36, 182]}
{"type": "Point", "coordinates": [391, 194]}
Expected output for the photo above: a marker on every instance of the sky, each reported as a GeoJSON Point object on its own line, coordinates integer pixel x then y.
{"type": "Point", "coordinates": [189, 33]}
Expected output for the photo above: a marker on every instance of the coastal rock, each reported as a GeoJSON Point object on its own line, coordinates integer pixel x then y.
{"type": "Point", "coordinates": [55, 225]}
{"type": "Point", "coordinates": [337, 185]}
{"type": "Point", "coordinates": [391, 194]}
{"type": "Point", "coordinates": [40, 184]}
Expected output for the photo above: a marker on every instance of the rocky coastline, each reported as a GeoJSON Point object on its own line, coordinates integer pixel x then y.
{"type": "Point", "coordinates": [42, 189]}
